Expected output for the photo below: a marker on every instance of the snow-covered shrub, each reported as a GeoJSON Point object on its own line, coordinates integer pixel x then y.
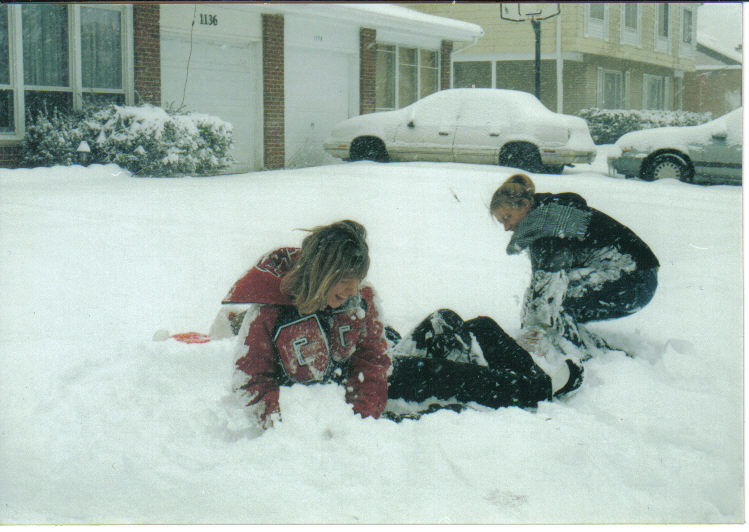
{"type": "Point", "coordinates": [607, 125]}
{"type": "Point", "coordinates": [147, 140]}
{"type": "Point", "coordinates": [52, 138]}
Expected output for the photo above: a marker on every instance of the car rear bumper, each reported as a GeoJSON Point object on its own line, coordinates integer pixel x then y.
{"type": "Point", "coordinates": [553, 156]}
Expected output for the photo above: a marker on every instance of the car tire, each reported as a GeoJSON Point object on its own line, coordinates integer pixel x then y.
{"type": "Point", "coordinates": [368, 149]}
{"type": "Point", "coordinates": [665, 166]}
{"type": "Point", "coordinates": [521, 155]}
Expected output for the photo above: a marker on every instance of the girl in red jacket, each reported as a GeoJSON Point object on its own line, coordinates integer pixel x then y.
{"type": "Point", "coordinates": [312, 321]}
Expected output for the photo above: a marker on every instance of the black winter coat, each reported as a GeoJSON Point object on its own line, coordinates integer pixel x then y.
{"type": "Point", "coordinates": [557, 253]}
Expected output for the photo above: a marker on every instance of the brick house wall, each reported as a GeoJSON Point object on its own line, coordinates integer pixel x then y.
{"type": "Point", "coordinates": [147, 53]}
{"type": "Point", "coordinates": [446, 51]}
{"type": "Point", "coordinates": [367, 70]}
{"type": "Point", "coordinates": [10, 156]}
{"type": "Point", "coordinates": [273, 91]}
{"type": "Point", "coordinates": [717, 91]}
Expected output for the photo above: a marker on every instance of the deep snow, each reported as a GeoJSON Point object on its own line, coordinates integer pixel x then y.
{"type": "Point", "coordinates": [101, 424]}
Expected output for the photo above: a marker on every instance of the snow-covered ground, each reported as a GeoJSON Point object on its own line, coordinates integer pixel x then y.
{"type": "Point", "coordinates": [101, 424]}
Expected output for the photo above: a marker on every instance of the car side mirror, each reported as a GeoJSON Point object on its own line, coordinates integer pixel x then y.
{"type": "Point", "coordinates": [411, 118]}
{"type": "Point", "coordinates": [720, 135]}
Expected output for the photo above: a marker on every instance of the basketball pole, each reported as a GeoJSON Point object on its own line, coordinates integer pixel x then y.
{"type": "Point", "coordinates": [537, 30]}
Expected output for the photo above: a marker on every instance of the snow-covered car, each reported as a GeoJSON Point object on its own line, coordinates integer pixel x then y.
{"type": "Point", "coordinates": [491, 126]}
{"type": "Point", "coordinates": [707, 153]}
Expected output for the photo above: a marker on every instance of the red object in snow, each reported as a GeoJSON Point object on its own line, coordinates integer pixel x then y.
{"type": "Point", "coordinates": [192, 338]}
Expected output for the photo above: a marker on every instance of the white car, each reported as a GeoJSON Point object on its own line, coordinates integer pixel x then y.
{"type": "Point", "coordinates": [708, 153]}
{"type": "Point", "coordinates": [491, 126]}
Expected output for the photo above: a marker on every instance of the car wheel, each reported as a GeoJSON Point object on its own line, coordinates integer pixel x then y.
{"type": "Point", "coordinates": [368, 149]}
{"type": "Point", "coordinates": [521, 155]}
{"type": "Point", "coordinates": [667, 166]}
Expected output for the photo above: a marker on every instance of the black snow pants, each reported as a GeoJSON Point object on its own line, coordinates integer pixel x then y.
{"type": "Point", "coordinates": [511, 378]}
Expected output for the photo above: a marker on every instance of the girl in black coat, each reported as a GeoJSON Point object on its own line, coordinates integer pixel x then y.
{"type": "Point", "coordinates": [586, 266]}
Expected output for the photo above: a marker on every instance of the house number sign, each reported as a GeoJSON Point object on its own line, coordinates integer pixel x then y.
{"type": "Point", "coordinates": [208, 20]}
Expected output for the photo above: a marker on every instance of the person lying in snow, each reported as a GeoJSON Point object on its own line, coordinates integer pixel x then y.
{"type": "Point", "coordinates": [585, 266]}
{"type": "Point", "coordinates": [310, 319]}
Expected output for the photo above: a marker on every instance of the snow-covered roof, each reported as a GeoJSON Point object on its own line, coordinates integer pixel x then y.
{"type": "Point", "coordinates": [712, 43]}
{"type": "Point", "coordinates": [383, 16]}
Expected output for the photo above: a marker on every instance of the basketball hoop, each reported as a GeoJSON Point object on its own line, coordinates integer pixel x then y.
{"type": "Point", "coordinates": [523, 11]}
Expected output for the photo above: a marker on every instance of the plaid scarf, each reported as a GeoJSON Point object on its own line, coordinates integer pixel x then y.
{"type": "Point", "coordinates": [549, 220]}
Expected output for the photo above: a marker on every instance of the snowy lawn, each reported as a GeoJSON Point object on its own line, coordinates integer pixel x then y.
{"type": "Point", "coordinates": [101, 424]}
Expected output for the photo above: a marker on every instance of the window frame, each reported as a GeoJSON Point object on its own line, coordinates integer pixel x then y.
{"type": "Point", "coordinates": [663, 43]}
{"type": "Point", "coordinates": [688, 48]}
{"type": "Point", "coordinates": [492, 69]}
{"type": "Point", "coordinates": [601, 97]}
{"type": "Point", "coordinates": [596, 27]}
{"type": "Point", "coordinates": [396, 73]}
{"type": "Point", "coordinates": [17, 82]}
{"type": "Point", "coordinates": [649, 78]}
{"type": "Point", "coordinates": [628, 36]}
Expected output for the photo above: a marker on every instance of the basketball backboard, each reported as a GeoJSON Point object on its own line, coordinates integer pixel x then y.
{"type": "Point", "coordinates": [521, 11]}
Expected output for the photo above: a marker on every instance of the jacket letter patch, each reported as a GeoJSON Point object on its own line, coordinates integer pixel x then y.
{"type": "Point", "coordinates": [303, 349]}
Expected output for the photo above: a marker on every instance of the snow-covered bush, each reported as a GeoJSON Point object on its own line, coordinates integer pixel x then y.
{"type": "Point", "coordinates": [147, 140]}
{"type": "Point", "coordinates": [52, 138]}
{"type": "Point", "coordinates": [607, 125]}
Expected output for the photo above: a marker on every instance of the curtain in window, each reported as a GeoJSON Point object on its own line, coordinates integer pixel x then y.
{"type": "Point", "coordinates": [429, 72]}
{"type": "Point", "coordinates": [687, 31]}
{"type": "Point", "coordinates": [101, 48]}
{"type": "Point", "coordinates": [385, 82]}
{"type": "Point", "coordinates": [408, 76]}
{"type": "Point", "coordinates": [45, 45]}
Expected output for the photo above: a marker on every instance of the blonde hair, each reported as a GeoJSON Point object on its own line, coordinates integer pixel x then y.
{"type": "Point", "coordinates": [512, 192]}
{"type": "Point", "coordinates": [329, 254]}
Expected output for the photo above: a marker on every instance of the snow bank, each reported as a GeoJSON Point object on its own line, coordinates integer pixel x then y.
{"type": "Point", "coordinates": [100, 424]}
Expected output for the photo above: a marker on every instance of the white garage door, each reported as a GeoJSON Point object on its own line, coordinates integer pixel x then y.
{"type": "Point", "coordinates": [319, 91]}
{"type": "Point", "coordinates": [223, 80]}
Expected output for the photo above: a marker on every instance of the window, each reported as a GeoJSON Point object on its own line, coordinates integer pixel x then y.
{"type": "Point", "coordinates": [686, 26]}
{"type": "Point", "coordinates": [663, 28]}
{"type": "Point", "coordinates": [385, 82]}
{"type": "Point", "coordinates": [429, 72]}
{"type": "Point", "coordinates": [631, 24]}
{"type": "Point", "coordinates": [653, 92]}
{"type": "Point", "coordinates": [472, 74]}
{"type": "Point", "coordinates": [68, 56]}
{"type": "Point", "coordinates": [6, 93]}
{"type": "Point", "coordinates": [610, 89]}
{"type": "Point", "coordinates": [687, 45]}
{"type": "Point", "coordinates": [597, 20]}
{"type": "Point", "coordinates": [45, 58]}
{"type": "Point", "coordinates": [404, 74]}
{"type": "Point", "coordinates": [101, 56]}
{"type": "Point", "coordinates": [408, 73]}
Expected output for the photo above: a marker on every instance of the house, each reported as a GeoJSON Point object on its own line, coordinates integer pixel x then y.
{"type": "Point", "coordinates": [716, 84]}
{"type": "Point", "coordinates": [605, 55]}
{"type": "Point", "coordinates": [282, 74]}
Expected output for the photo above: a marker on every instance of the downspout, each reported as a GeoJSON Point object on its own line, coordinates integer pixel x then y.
{"type": "Point", "coordinates": [560, 66]}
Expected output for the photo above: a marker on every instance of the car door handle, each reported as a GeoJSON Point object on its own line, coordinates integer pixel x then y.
{"type": "Point", "coordinates": [444, 133]}
{"type": "Point", "coordinates": [493, 134]}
